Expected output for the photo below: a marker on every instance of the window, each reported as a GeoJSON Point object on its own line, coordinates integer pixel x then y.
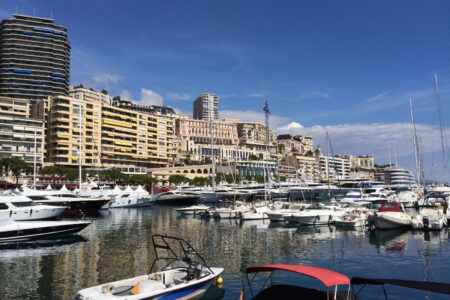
{"type": "Point", "coordinates": [3, 206]}
{"type": "Point", "coordinates": [23, 203]}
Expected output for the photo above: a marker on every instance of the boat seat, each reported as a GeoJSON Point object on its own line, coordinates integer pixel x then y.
{"type": "Point", "coordinates": [122, 290]}
{"type": "Point", "coordinates": [146, 286]}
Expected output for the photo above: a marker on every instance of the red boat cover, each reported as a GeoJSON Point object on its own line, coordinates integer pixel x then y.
{"type": "Point", "coordinates": [328, 278]}
{"type": "Point", "coordinates": [390, 206]}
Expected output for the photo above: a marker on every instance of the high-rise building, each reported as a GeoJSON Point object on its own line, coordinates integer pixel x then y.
{"type": "Point", "coordinates": [90, 95]}
{"type": "Point", "coordinates": [203, 104]}
{"type": "Point", "coordinates": [34, 58]}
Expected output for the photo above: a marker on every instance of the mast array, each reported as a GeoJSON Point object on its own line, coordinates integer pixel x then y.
{"type": "Point", "coordinates": [438, 100]}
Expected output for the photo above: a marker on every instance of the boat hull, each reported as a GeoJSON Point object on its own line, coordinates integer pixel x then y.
{"type": "Point", "coordinates": [25, 231]}
{"type": "Point", "coordinates": [390, 221]}
{"type": "Point", "coordinates": [177, 201]}
{"type": "Point", "coordinates": [83, 205]}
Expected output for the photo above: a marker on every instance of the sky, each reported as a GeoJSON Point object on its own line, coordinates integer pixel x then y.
{"type": "Point", "coordinates": [343, 67]}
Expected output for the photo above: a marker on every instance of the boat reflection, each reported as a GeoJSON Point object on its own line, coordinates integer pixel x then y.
{"type": "Point", "coordinates": [393, 241]}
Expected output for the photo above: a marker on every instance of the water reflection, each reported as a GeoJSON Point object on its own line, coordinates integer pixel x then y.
{"type": "Point", "coordinates": [118, 245]}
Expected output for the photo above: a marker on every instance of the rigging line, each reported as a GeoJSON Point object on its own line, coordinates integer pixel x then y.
{"type": "Point", "coordinates": [438, 100]}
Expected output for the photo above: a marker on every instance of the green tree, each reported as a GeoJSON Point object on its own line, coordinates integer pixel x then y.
{"type": "Point", "coordinates": [253, 157]}
{"type": "Point", "coordinates": [104, 92]}
{"type": "Point", "coordinates": [178, 179]}
{"type": "Point", "coordinates": [16, 166]}
{"type": "Point", "coordinates": [201, 181]}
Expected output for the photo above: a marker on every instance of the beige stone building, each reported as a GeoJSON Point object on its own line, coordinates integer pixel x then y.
{"type": "Point", "coordinates": [14, 107]}
{"type": "Point", "coordinates": [110, 136]}
{"type": "Point", "coordinates": [298, 144]}
{"type": "Point", "coordinates": [224, 132]}
{"type": "Point", "coordinates": [253, 135]}
{"type": "Point", "coordinates": [308, 168]}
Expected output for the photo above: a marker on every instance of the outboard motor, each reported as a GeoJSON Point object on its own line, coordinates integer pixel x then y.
{"type": "Point", "coordinates": [426, 223]}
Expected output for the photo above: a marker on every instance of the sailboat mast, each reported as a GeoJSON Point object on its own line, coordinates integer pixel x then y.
{"type": "Point", "coordinates": [438, 99]}
{"type": "Point", "coordinates": [416, 154]}
{"type": "Point", "coordinates": [34, 162]}
{"type": "Point", "coordinates": [328, 165]}
{"type": "Point", "coordinates": [213, 167]}
{"type": "Point", "coordinates": [267, 113]}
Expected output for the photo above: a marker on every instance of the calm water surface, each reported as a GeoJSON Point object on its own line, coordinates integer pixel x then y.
{"type": "Point", "coordinates": [118, 245]}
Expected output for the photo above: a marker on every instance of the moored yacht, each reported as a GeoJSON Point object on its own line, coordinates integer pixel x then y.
{"type": "Point", "coordinates": [15, 231]}
{"type": "Point", "coordinates": [391, 215]}
{"type": "Point", "coordinates": [176, 197]}
{"type": "Point", "coordinates": [73, 202]}
{"type": "Point", "coordinates": [20, 208]}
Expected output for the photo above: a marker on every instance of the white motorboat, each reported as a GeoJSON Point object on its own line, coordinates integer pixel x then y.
{"type": "Point", "coordinates": [185, 276]}
{"type": "Point", "coordinates": [277, 215]}
{"type": "Point", "coordinates": [229, 212]}
{"type": "Point", "coordinates": [192, 210]}
{"type": "Point", "coordinates": [390, 215]}
{"type": "Point", "coordinates": [15, 231]}
{"type": "Point", "coordinates": [20, 208]}
{"type": "Point", "coordinates": [378, 197]}
{"type": "Point", "coordinates": [256, 213]}
{"type": "Point", "coordinates": [311, 217]}
{"type": "Point", "coordinates": [352, 219]}
{"type": "Point", "coordinates": [73, 202]}
{"type": "Point", "coordinates": [430, 219]}
{"type": "Point", "coordinates": [353, 196]}
{"type": "Point", "coordinates": [176, 197]}
{"type": "Point", "coordinates": [407, 198]}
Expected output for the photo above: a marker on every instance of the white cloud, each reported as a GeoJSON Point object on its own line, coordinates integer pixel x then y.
{"type": "Point", "coordinates": [179, 97]}
{"type": "Point", "coordinates": [105, 78]}
{"type": "Point", "coordinates": [370, 139]}
{"type": "Point", "coordinates": [148, 97]}
{"type": "Point", "coordinates": [291, 127]}
{"type": "Point", "coordinates": [253, 116]}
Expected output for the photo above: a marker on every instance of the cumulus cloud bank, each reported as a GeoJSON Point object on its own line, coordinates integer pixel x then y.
{"type": "Point", "coordinates": [372, 139]}
{"type": "Point", "coordinates": [105, 78]}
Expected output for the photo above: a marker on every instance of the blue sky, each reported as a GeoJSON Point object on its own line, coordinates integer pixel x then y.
{"type": "Point", "coordinates": [347, 67]}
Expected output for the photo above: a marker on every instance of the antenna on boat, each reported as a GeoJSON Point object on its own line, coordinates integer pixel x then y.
{"type": "Point", "coordinates": [80, 147]}
{"type": "Point", "coordinates": [34, 161]}
{"type": "Point", "coordinates": [328, 165]}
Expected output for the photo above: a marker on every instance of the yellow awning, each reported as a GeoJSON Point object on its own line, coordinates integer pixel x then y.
{"type": "Point", "coordinates": [117, 123]}
{"type": "Point", "coordinates": [111, 134]}
{"type": "Point", "coordinates": [123, 143]}
{"type": "Point", "coordinates": [89, 125]}
{"type": "Point", "coordinates": [63, 136]}
{"type": "Point", "coordinates": [64, 144]}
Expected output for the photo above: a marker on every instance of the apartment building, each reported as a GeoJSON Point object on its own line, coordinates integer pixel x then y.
{"type": "Point", "coordinates": [19, 134]}
{"type": "Point", "coordinates": [14, 107]}
{"type": "Point", "coordinates": [107, 136]}
{"type": "Point", "coordinates": [34, 58]}
{"type": "Point", "coordinates": [308, 168]}
{"type": "Point", "coordinates": [253, 135]}
{"type": "Point", "coordinates": [338, 167]}
{"type": "Point", "coordinates": [298, 144]}
{"type": "Point", "coordinates": [204, 104]}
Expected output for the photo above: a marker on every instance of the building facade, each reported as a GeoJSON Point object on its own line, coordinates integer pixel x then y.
{"type": "Point", "coordinates": [21, 137]}
{"type": "Point", "coordinates": [308, 168]}
{"type": "Point", "coordinates": [107, 136]}
{"type": "Point", "coordinates": [338, 167]}
{"type": "Point", "coordinates": [297, 144]}
{"type": "Point", "coordinates": [202, 106]}
{"type": "Point", "coordinates": [253, 135]}
{"type": "Point", "coordinates": [198, 131]}
{"type": "Point", "coordinates": [89, 95]}
{"type": "Point", "coordinates": [34, 58]}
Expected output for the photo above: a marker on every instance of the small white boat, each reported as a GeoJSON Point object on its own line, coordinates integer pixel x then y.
{"type": "Point", "coordinates": [407, 198]}
{"type": "Point", "coordinates": [16, 231]}
{"type": "Point", "coordinates": [192, 210]}
{"type": "Point", "coordinates": [185, 276]}
{"type": "Point", "coordinates": [391, 215]}
{"type": "Point", "coordinates": [311, 217]}
{"type": "Point", "coordinates": [277, 215]}
{"type": "Point", "coordinates": [352, 219]}
{"type": "Point", "coordinates": [256, 213]}
{"type": "Point", "coordinates": [430, 219]}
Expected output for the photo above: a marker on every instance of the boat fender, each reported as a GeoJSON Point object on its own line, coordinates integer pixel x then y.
{"type": "Point", "coordinates": [318, 217]}
{"type": "Point", "coordinates": [330, 217]}
{"type": "Point", "coordinates": [219, 280]}
{"type": "Point", "coordinates": [31, 212]}
{"type": "Point", "coordinates": [10, 213]}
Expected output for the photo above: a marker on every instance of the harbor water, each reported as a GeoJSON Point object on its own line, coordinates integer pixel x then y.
{"type": "Point", "coordinates": [118, 245]}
